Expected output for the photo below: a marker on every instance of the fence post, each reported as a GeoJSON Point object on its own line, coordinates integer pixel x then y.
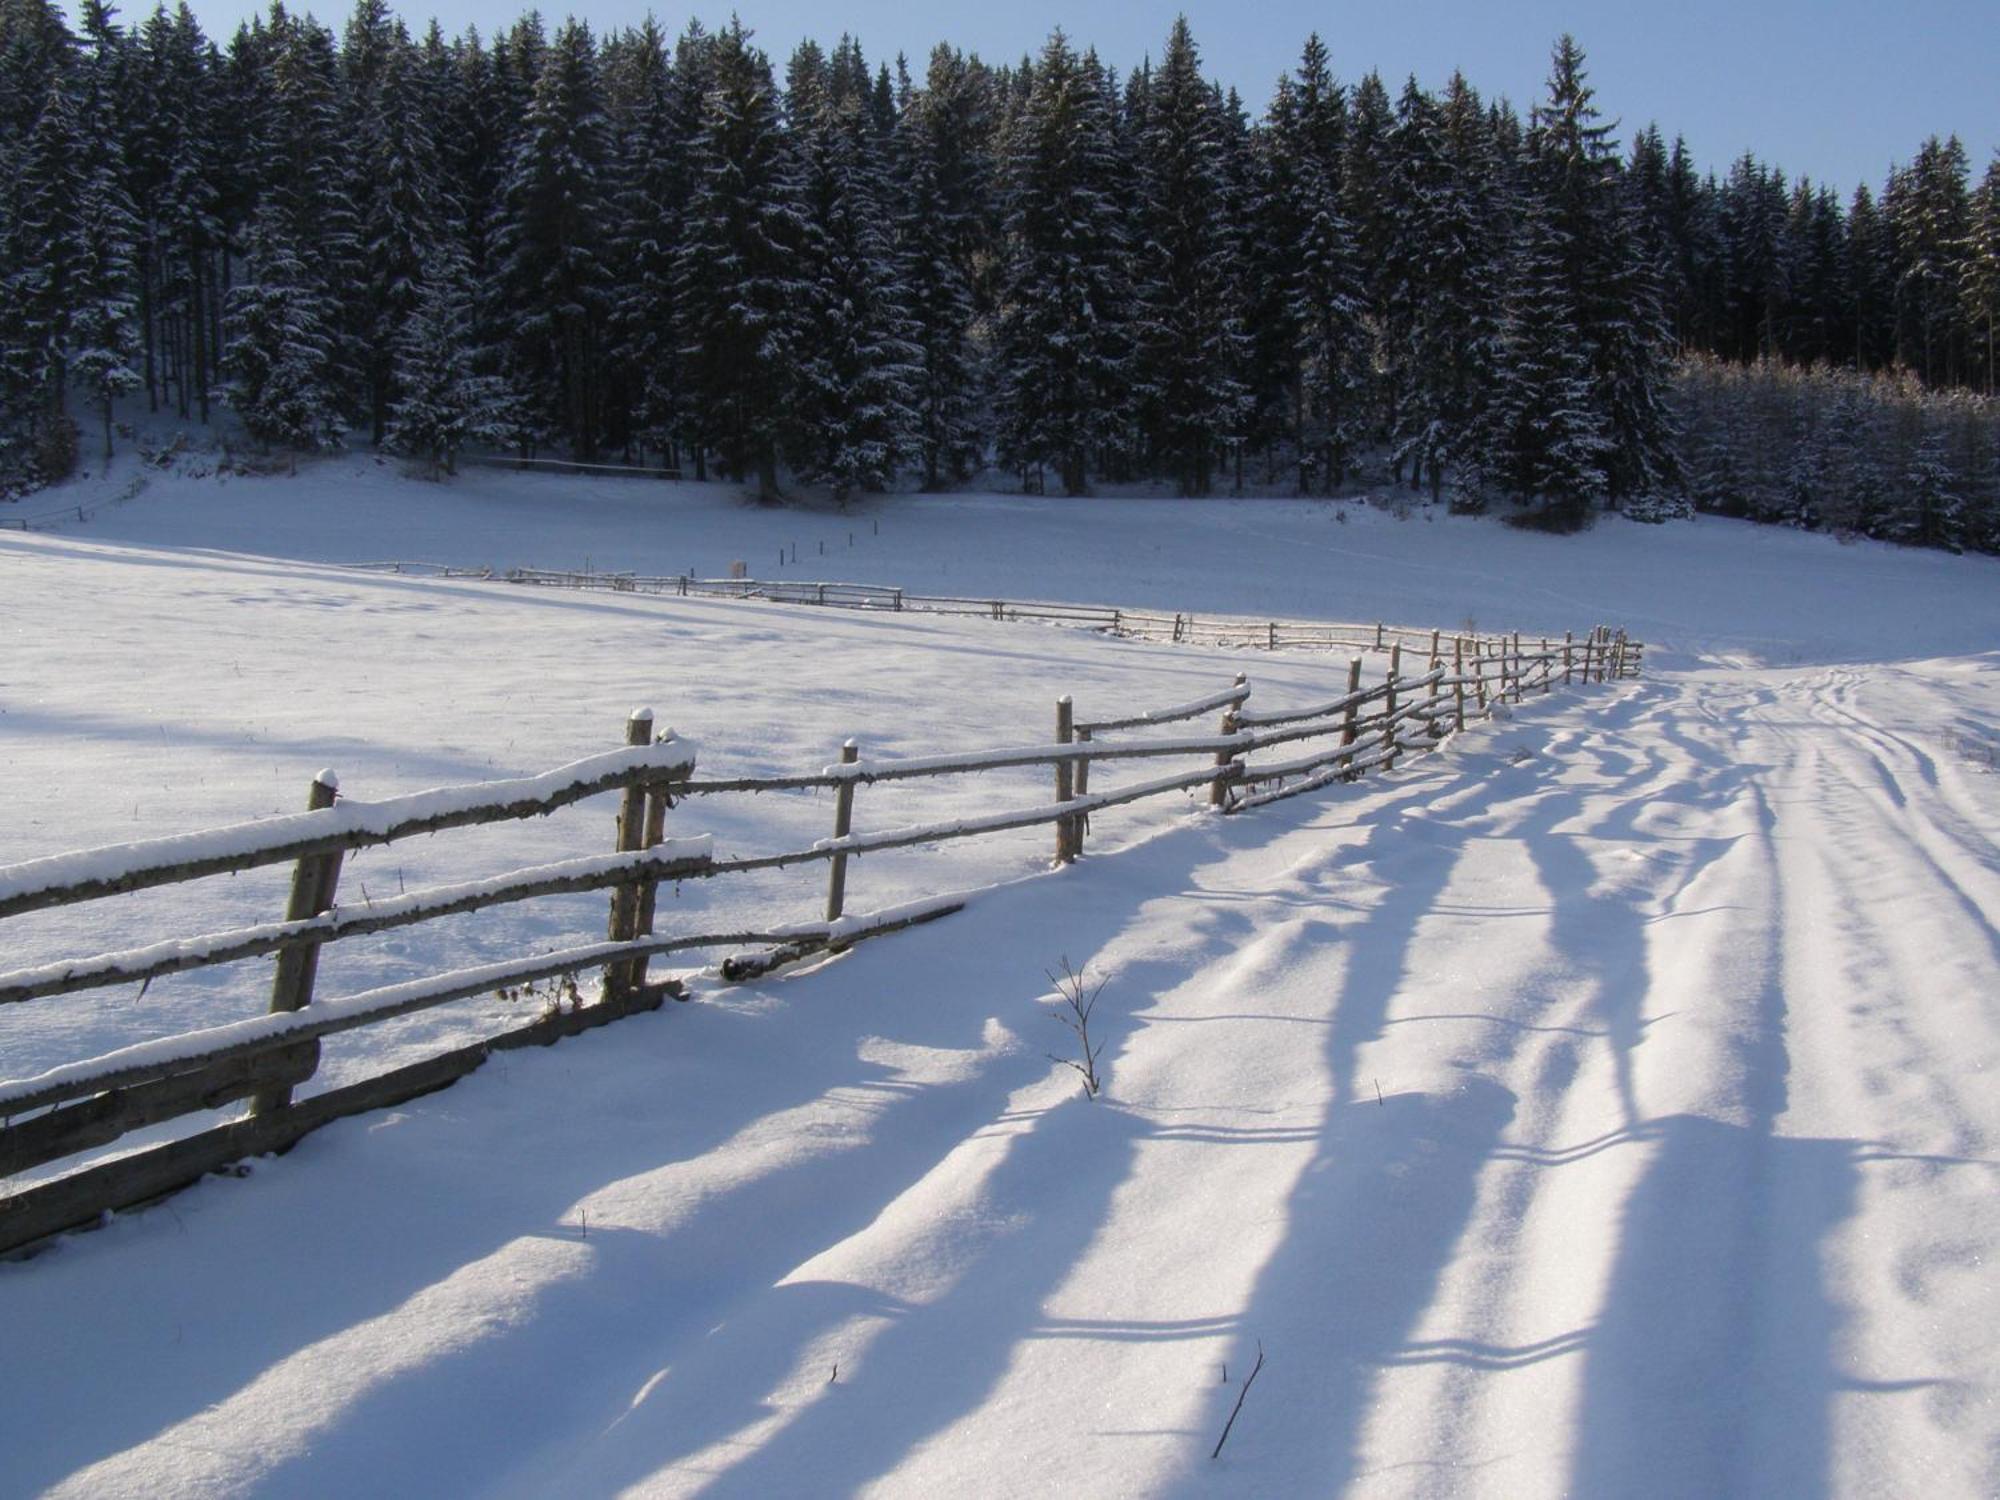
{"type": "Point", "coordinates": [1065, 777]}
{"type": "Point", "coordinates": [1389, 708]}
{"type": "Point", "coordinates": [624, 975]}
{"type": "Point", "coordinates": [1218, 790]}
{"type": "Point", "coordinates": [1081, 780]}
{"type": "Point", "coordinates": [843, 824]}
{"type": "Point", "coordinates": [1520, 667]}
{"type": "Point", "coordinates": [1378, 635]}
{"type": "Point", "coordinates": [1273, 639]}
{"type": "Point", "coordinates": [1568, 643]}
{"type": "Point", "coordinates": [1479, 675]}
{"type": "Point", "coordinates": [1430, 723]}
{"type": "Point", "coordinates": [313, 881]}
{"type": "Point", "coordinates": [1458, 684]}
{"type": "Point", "coordinates": [1618, 656]}
{"type": "Point", "coordinates": [1225, 766]}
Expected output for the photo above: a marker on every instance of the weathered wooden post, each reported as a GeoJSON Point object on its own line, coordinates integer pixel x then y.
{"type": "Point", "coordinates": [1548, 667]}
{"type": "Point", "coordinates": [1272, 642]}
{"type": "Point", "coordinates": [622, 977]}
{"type": "Point", "coordinates": [1618, 656]}
{"type": "Point", "coordinates": [1479, 674]}
{"type": "Point", "coordinates": [843, 824]}
{"type": "Point", "coordinates": [1569, 641]}
{"type": "Point", "coordinates": [1520, 667]}
{"type": "Point", "coordinates": [1378, 635]}
{"type": "Point", "coordinates": [1431, 723]}
{"type": "Point", "coordinates": [1065, 778]}
{"type": "Point", "coordinates": [1458, 684]}
{"type": "Point", "coordinates": [1389, 708]}
{"type": "Point", "coordinates": [313, 881]}
{"type": "Point", "coordinates": [1347, 719]}
{"type": "Point", "coordinates": [1225, 764]}
{"type": "Point", "coordinates": [1081, 781]}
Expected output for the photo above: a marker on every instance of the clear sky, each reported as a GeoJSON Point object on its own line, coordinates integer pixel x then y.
{"type": "Point", "coordinates": [1836, 90]}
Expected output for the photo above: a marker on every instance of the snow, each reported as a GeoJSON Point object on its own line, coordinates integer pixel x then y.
{"type": "Point", "coordinates": [1601, 1105]}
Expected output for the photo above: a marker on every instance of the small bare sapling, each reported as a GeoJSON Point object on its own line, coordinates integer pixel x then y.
{"type": "Point", "coordinates": [1079, 999]}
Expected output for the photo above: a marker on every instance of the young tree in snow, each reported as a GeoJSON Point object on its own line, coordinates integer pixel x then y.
{"type": "Point", "coordinates": [443, 403]}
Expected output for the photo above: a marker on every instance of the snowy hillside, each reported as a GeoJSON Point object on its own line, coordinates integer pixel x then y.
{"type": "Point", "coordinates": [1601, 1106]}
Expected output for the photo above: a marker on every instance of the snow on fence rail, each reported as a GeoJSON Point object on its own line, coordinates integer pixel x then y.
{"type": "Point", "coordinates": [75, 1108]}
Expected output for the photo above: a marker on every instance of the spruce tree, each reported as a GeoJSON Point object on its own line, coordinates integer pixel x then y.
{"type": "Point", "coordinates": [945, 177]}
{"type": "Point", "coordinates": [551, 248]}
{"type": "Point", "coordinates": [1062, 348]}
{"type": "Point", "coordinates": [1979, 278]}
{"type": "Point", "coordinates": [736, 281]}
{"type": "Point", "coordinates": [1545, 442]}
{"type": "Point", "coordinates": [852, 418]}
{"type": "Point", "coordinates": [1188, 327]}
{"type": "Point", "coordinates": [281, 353]}
{"type": "Point", "coordinates": [442, 402]}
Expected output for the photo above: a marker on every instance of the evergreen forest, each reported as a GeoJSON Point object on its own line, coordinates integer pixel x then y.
{"type": "Point", "coordinates": [639, 248]}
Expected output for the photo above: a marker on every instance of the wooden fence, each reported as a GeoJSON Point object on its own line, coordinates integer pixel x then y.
{"type": "Point", "coordinates": [1250, 758]}
{"type": "Point", "coordinates": [1182, 628]}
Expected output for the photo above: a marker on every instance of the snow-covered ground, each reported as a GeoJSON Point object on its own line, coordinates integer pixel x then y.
{"type": "Point", "coordinates": [1602, 1106]}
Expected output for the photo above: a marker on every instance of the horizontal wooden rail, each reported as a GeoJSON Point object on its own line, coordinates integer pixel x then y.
{"type": "Point", "coordinates": [92, 873]}
{"type": "Point", "coordinates": [1232, 697]}
{"type": "Point", "coordinates": [149, 1062]}
{"type": "Point", "coordinates": [681, 859]}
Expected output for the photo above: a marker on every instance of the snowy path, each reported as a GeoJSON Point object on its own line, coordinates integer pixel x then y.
{"type": "Point", "coordinates": [1604, 1106]}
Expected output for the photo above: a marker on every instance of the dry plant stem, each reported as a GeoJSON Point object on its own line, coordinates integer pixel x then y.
{"type": "Point", "coordinates": [1079, 1001]}
{"type": "Point", "coordinates": [1236, 1409]}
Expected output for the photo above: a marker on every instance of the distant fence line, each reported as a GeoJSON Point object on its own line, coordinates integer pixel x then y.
{"type": "Point", "coordinates": [1178, 627]}
{"type": "Point", "coordinates": [83, 1105]}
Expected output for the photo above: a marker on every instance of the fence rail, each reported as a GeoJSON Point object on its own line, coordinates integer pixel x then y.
{"type": "Point", "coordinates": [65, 1112]}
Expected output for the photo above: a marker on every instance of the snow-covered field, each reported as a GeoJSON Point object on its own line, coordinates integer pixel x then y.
{"type": "Point", "coordinates": [1603, 1106]}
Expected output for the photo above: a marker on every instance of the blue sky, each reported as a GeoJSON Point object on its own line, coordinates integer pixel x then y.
{"type": "Point", "coordinates": [1833, 89]}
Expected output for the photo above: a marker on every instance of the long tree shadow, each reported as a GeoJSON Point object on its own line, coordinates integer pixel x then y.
{"type": "Point", "coordinates": [1712, 1367]}
{"type": "Point", "coordinates": [1711, 1370]}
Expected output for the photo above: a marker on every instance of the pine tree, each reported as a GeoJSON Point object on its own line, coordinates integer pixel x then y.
{"type": "Point", "coordinates": [646, 167]}
{"type": "Point", "coordinates": [852, 419]}
{"type": "Point", "coordinates": [1929, 207]}
{"type": "Point", "coordinates": [1335, 343]}
{"type": "Point", "coordinates": [736, 281]}
{"type": "Point", "coordinates": [944, 178]}
{"type": "Point", "coordinates": [104, 321]}
{"type": "Point", "coordinates": [282, 337]}
{"type": "Point", "coordinates": [1189, 332]}
{"type": "Point", "coordinates": [1979, 288]}
{"type": "Point", "coordinates": [395, 189]}
{"type": "Point", "coordinates": [442, 402]}
{"type": "Point", "coordinates": [1611, 288]}
{"type": "Point", "coordinates": [551, 248]}
{"type": "Point", "coordinates": [1445, 286]}
{"type": "Point", "coordinates": [46, 255]}
{"type": "Point", "coordinates": [1545, 441]}
{"type": "Point", "coordinates": [1062, 345]}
